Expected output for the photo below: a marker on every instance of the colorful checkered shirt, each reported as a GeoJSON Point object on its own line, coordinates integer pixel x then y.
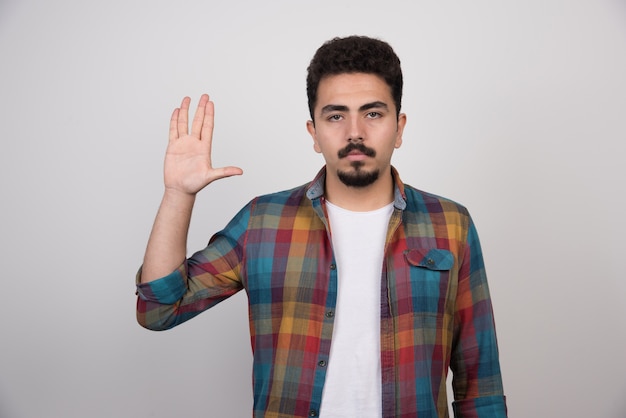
{"type": "Point", "coordinates": [436, 311]}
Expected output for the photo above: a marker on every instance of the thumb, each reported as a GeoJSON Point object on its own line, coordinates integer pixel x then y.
{"type": "Point", "coordinates": [228, 171]}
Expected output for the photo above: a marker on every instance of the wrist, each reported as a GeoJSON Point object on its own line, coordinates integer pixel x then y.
{"type": "Point", "coordinates": [173, 195]}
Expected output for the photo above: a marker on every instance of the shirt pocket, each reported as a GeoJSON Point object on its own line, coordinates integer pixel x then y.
{"type": "Point", "coordinates": [428, 277]}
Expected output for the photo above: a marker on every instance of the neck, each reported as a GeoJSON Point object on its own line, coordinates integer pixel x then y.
{"type": "Point", "coordinates": [360, 199]}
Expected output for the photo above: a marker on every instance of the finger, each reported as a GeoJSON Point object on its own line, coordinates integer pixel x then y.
{"type": "Point", "coordinates": [208, 122]}
{"type": "Point", "coordinates": [174, 125]}
{"type": "Point", "coordinates": [223, 172]}
{"type": "Point", "coordinates": [198, 117]}
{"type": "Point", "coordinates": [183, 115]}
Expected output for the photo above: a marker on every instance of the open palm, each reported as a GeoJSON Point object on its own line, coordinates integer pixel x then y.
{"type": "Point", "coordinates": [188, 167]}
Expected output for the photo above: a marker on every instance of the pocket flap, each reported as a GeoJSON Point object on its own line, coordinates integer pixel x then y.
{"type": "Point", "coordinates": [430, 258]}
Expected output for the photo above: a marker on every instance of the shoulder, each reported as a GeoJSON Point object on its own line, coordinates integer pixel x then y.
{"type": "Point", "coordinates": [278, 201]}
{"type": "Point", "coordinates": [431, 215]}
{"type": "Point", "coordinates": [421, 201]}
{"type": "Point", "coordinates": [285, 196]}
{"type": "Point", "coordinates": [268, 210]}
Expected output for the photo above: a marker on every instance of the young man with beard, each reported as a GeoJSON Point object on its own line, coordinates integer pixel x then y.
{"type": "Point", "coordinates": [363, 291]}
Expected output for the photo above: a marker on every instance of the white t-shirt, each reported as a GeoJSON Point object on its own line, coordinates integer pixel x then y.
{"type": "Point", "coordinates": [353, 380]}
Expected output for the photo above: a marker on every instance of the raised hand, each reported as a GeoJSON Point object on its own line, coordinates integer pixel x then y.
{"type": "Point", "coordinates": [188, 167]}
{"type": "Point", "coordinates": [188, 170]}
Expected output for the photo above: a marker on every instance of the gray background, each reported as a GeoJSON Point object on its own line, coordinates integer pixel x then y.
{"type": "Point", "coordinates": [516, 109]}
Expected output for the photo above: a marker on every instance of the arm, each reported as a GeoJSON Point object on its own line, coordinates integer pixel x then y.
{"type": "Point", "coordinates": [200, 282]}
{"type": "Point", "coordinates": [187, 170]}
{"type": "Point", "coordinates": [477, 381]}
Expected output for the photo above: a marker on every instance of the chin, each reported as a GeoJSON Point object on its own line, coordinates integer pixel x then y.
{"type": "Point", "coordinates": [358, 178]}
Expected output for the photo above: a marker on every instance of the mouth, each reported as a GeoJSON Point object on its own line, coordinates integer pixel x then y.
{"type": "Point", "coordinates": [356, 156]}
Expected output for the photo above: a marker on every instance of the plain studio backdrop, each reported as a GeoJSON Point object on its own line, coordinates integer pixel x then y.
{"type": "Point", "coordinates": [516, 109]}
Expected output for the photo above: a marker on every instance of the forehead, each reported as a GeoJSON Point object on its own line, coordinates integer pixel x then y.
{"type": "Point", "coordinates": [352, 89]}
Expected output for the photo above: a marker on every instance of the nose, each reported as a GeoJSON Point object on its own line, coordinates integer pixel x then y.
{"type": "Point", "coordinates": [356, 130]}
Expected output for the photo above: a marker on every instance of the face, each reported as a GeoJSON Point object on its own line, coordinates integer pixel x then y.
{"type": "Point", "coordinates": [356, 128]}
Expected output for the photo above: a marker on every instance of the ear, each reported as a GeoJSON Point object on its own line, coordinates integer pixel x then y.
{"type": "Point", "coordinates": [310, 126]}
{"type": "Point", "coordinates": [400, 129]}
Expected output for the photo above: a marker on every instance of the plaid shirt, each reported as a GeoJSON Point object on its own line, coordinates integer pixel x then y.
{"type": "Point", "coordinates": [436, 313]}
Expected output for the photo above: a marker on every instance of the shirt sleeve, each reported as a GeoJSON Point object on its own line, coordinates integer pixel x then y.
{"type": "Point", "coordinates": [477, 381]}
{"type": "Point", "coordinates": [202, 281]}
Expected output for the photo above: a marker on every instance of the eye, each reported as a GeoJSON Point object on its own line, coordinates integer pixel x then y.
{"type": "Point", "coordinates": [373, 115]}
{"type": "Point", "coordinates": [334, 118]}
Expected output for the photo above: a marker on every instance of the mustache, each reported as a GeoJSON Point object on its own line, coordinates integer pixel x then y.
{"type": "Point", "coordinates": [342, 153]}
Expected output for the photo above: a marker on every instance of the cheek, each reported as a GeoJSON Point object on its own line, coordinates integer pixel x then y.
{"type": "Point", "coordinates": [324, 141]}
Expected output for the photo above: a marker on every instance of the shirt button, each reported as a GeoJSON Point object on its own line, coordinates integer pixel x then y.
{"type": "Point", "coordinates": [430, 261]}
{"type": "Point", "coordinates": [312, 413]}
{"type": "Point", "coordinates": [322, 363]}
{"type": "Point", "coordinates": [330, 314]}
{"type": "Point", "coordinates": [333, 266]}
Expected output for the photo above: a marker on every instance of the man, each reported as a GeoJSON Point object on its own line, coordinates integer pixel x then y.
{"type": "Point", "coordinates": [363, 291]}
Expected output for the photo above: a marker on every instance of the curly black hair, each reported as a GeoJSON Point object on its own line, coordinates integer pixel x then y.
{"type": "Point", "coordinates": [355, 54]}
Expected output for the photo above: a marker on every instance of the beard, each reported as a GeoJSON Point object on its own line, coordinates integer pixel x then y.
{"type": "Point", "coordinates": [357, 177]}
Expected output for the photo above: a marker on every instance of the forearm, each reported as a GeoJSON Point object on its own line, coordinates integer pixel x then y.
{"type": "Point", "coordinates": [167, 245]}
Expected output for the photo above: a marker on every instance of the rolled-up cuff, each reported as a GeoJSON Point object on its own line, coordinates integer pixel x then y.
{"type": "Point", "coordinates": [167, 290]}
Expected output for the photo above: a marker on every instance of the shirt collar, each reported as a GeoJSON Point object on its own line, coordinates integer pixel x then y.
{"type": "Point", "coordinates": [315, 189]}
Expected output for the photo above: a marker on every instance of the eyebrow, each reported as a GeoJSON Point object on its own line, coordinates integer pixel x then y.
{"type": "Point", "coordinates": [342, 108]}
